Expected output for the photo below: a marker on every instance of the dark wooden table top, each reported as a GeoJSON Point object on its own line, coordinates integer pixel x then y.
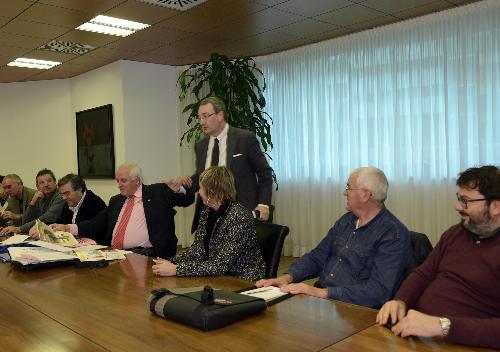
{"type": "Point", "coordinates": [377, 339]}
{"type": "Point", "coordinates": [23, 328]}
{"type": "Point", "coordinates": [72, 309]}
{"type": "Point", "coordinates": [107, 308]}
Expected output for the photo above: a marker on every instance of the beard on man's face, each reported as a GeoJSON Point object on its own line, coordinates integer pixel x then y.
{"type": "Point", "coordinates": [477, 223]}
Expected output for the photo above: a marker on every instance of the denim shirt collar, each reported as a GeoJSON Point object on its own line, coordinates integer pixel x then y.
{"type": "Point", "coordinates": [370, 223]}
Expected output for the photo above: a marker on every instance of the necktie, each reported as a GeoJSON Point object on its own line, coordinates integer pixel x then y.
{"type": "Point", "coordinates": [215, 153]}
{"type": "Point", "coordinates": [117, 241]}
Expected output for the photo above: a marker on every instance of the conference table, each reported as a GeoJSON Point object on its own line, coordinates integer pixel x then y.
{"type": "Point", "coordinates": [105, 309]}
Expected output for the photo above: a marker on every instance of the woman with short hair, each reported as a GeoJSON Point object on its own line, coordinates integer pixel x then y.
{"type": "Point", "coordinates": [225, 241]}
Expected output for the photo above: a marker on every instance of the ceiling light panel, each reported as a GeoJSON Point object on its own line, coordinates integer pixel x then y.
{"type": "Point", "coordinates": [181, 5]}
{"type": "Point", "coordinates": [67, 47]}
{"type": "Point", "coordinates": [111, 25]}
{"type": "Point", "coordinates": [33, 63]}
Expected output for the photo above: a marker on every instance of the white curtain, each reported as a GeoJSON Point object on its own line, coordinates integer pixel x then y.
{"type": "Point", "coordinates": [418, 99]}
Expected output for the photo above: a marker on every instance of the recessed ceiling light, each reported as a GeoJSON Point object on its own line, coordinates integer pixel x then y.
{"type": "Point", "coordinates": [111, 25]}
{"type": "Point", "coordinates": [33, 63]}
{"type": "Point", "coordinates": [181, 5]}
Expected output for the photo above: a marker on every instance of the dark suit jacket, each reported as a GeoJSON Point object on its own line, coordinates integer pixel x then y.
{"type": "Point", "coordinates": [252, 173]}
{"type": "Point", "coordinates": [91, 206]}
{"type": "Point", "coordinates": [158, 201]}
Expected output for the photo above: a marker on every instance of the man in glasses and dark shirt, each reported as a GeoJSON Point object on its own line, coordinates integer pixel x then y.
{"type": "Point", "coordinates": [364, 256]}
{"type": "Point", "coordinates": [455, 293]}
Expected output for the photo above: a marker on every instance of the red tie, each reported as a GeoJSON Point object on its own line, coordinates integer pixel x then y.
{"type": "Point", "coordinates": [117, 241]}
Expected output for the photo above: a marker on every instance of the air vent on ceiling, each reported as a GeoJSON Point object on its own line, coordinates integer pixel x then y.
{"type": "Point", "coordinates": [67, 47]}
{"type": "Point", "coordinates": [181, 5]}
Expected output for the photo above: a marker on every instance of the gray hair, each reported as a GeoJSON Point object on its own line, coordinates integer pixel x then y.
{"type": "Point", "coordinates": [14, 178]}
{"type": "Point", "coordinates": [133, 170]}
{"type": "Point", "coordinates": [373, 180]}
{"type": "Point", "coordinates": [216, 102]}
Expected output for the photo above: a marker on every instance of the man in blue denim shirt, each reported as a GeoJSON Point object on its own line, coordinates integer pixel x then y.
{"type": "Point", "coordinates": [364, 256]}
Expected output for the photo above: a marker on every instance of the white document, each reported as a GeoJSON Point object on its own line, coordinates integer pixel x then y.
{"type": "Point", "coordinates": [91, 247]}
{"type": "Point", "coordinates": [52, 246]}
{"type": "Point", "coordinates": [266, 293]}
{"type": "Point", "coordinates": [15, 239]}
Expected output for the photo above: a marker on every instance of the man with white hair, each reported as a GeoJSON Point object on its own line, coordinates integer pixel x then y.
{"type": "Point", "coordinates": [140, 218]}
{"type": "Point", "coordinates": [365, 255]}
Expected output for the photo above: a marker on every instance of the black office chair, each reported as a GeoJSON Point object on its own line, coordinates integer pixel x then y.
{"type": "Point", "coordinates": [271, 238]}
{"type": "Point", "coordinates": [421, 248]}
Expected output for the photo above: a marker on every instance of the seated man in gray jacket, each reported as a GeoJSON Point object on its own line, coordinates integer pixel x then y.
{"type": "Point", "coordinates": [46, 205]}
{"type": "Point", "coordinates": [19, 197]}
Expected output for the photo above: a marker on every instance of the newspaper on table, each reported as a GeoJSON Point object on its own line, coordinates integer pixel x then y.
{"type": "Point", "coordinates": [61, 246]}
{"type": "Point", "coordinates": [61, 238]}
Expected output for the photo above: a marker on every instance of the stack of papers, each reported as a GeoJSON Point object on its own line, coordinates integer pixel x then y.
{"type": "Point", "coordinates": [58, 246]}
{"type": "Point", "coordinates": [35, 255]}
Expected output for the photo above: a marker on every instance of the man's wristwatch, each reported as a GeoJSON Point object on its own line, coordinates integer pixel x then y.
{"type": "Point", "coordinates": [445, 325]}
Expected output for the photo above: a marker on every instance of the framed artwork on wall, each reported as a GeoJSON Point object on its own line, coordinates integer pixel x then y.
{"type": "Point", "coordinates": [95, 142]}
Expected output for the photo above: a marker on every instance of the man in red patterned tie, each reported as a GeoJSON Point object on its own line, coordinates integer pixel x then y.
{"type": "Point", "coordinates": [140, 218]}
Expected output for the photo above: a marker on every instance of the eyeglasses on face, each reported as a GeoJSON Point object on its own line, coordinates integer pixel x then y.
{"type": "Point", "coordinates": [349, 188]}
{"type": "Point", "coordinates": [206, 115]}
{"type": "Point", "coordinates": [466, 201]}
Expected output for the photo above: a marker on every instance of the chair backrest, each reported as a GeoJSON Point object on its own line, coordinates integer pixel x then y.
{"type": "Point", "coordinates": [271, 238]}
{"type": "Point", "coordinates": [421, 247]}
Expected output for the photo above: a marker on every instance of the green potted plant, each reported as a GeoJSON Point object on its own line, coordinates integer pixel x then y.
{"type": "Point", "coordinates": [239, 83]}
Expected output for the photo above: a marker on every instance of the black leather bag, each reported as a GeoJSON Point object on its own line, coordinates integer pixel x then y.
{"type": "Point", "coordinates": [203, 308]}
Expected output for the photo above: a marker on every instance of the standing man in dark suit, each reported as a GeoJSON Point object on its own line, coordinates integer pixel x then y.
{"type": "Point", "coordinates": [238, 150]}
{"type": "Point", "coordinates": [140, 218]}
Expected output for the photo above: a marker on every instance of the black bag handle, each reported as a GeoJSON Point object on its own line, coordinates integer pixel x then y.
{"type": "Point", "coordinates": [207, 297]}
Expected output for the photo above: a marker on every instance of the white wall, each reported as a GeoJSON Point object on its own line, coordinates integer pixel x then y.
{"type": "Point", "coordinates": [36, 129]}
{"type": "Point", "coordinates": [150, 118]}
{"type": "Point", "coordinates": [38, 126]}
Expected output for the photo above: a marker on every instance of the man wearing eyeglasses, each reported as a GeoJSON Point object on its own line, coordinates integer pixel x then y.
{"type": "Point", "coordinates": [365, 255]}
{"type": "Point", "coordinates": [237, 149]}
{"type": "Point", "coordinates": [455, 293]}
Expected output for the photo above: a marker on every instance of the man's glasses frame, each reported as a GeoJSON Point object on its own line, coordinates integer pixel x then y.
{"type": "Point", "coordinates": [206, 115]}
{"type": "Point", "coordinates": [349, 188]}
{"type": "Point", "coordinates": [466, 201]}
